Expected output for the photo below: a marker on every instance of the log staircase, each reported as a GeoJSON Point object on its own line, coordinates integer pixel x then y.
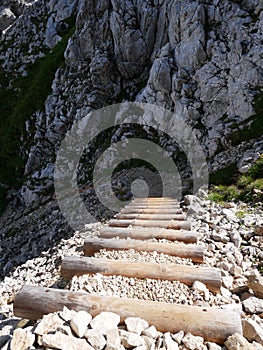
{"type": "Point", "coordinates": [140, 221]}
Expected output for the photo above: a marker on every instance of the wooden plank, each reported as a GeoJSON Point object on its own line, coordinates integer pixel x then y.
{"type": "Point", "coordinates": [191, 251]}
{"type": "Point", "coordinates": [128, 210]}
{"type": "Point", "coordinates": [148, 233]}
{"type": "Point", "coordinates": [172, 224]}
{"type": "Point", "coordinates": [214, 325]}
{"type": "Point", "coordinates": [77, 266]}
{"type": "Point", "coordinates": [150, 216]}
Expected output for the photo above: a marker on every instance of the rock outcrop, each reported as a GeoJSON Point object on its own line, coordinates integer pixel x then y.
{"type": "Point", "coordinates": [200, 59]}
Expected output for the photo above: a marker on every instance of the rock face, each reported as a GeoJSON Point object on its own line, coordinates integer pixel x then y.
{"type": "Point", "coordinates": [199, 59]}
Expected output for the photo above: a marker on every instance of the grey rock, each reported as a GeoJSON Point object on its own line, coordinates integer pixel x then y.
{"type": "Point", "coordinates": [130, 340]}
{"type": "Point", "coordinates": [150, 332]}
{"type": "Point", "coordinates": [160, 77]}
{"type": "Point", "coordinates": [59, 340]}
{"type": "Point", "coordinates": [258, 230]}
{"type": "Point", "coordinates": [193, 342]}
{"type": "Point", "coordinates": [22, 339]}
{"type": "Point", "coordinates": [113, 340]}
{"type": "Point", "coordinates": [96, 339]}
{"type": "Point", "coordinates": [136, 324]}
{"type": "Point", "coordinates": [255, 282]}
{"type": "Point", "coordinates": [178, 336]}
{"type": "Point", "coordinates": [67, 314]}
{"type": "Point", "coordinates": [169, 343]}
{"type": "Point", "coordinates": [49, 323]}
{"type": "Point", "coordinates": [252, 330]}
{"type": "Point", "coordinates": [253, 305]}
{"type": "Point", "coordinates": [213, 346]}
{"type": "Point", "coordinates": [79, 323]}
{"type": "Point", "coordinates": [238, 342]}
{"type": "Point", "coordinates": [105, 321]}
{"type": "Point", "coordinates": [7, 17]}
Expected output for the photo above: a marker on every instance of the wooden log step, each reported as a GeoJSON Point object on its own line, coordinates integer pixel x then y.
{"type": "Point", "coordinates": [153, 206]}
{"type": "Point", "coordinates": [172, 224]}
{"type": "Point", "coordinates": [150, 216]}
{"type": "Point", "coordinates": [191, 251]}
{"type": "Point", "coordinates": [148, 233]}
{"type": "Point", "coordinates": [128, 210]}
{"type": "Point", "coordinates": [77, 266]}
{"type": "Point", "coordinates": [214, 325]}
{"type": "Point", "coordinates": [154, 199]}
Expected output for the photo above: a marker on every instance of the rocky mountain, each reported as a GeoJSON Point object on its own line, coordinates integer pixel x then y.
{"type": "Point", "coordinates": [60, 59]}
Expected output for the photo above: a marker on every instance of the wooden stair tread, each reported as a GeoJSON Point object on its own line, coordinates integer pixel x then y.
{"type": "Point", "coordinates": [77, 266]}
{"type": "Point", "coordinates": [148, 233]}
{"type": "Point", "coordinates": [213, 324]}
{"type": "Point", "coordinates": [191, 251]}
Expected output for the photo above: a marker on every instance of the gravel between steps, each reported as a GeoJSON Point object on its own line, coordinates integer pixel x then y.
{"type": "Point", "coordinates": [229, 234]}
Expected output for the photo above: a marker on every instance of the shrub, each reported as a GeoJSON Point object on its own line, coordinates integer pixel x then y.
{"type": "Point", "coordinates": [248, 187]}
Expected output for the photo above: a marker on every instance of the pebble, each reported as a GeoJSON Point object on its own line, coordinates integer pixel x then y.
{"type": "Point", "coordinates": [242, 287]}
{"type": "Point", "coordinates": [96, 339]}
{"type": "Point", "coordinates": [49, 323]}
{"type": "Point", "coordinates": [193, 342]}
{"type": "Point", "coordinates": [169, 343]}
{"type": "Point", "coordinates": [150, 332]}
{"type": "Point", "coordinates": [252, 330]}
{"type": "Point", "coordinates": [22, 339]}
{"type": "Point", "coordinates": [238, 342]}
{"type": "Point", "coordinates": [130, 340]}
{"type": "Point", "coordinates": [253, 305]}
{"type": "Point", "coordinates": [113, 339]}
{"type": "Point", "coordinates": [178, 337]}
{"type": "Point", "coordinates": [255, 282]}
{"type": "Point", "coordinates": [60, 340]}
{"type": "Point", "coordinates": [136, 324]}
{"type": "Point", "coordinates": [105, 321]}
{"type": "Point", "coordinates": [79, 323]}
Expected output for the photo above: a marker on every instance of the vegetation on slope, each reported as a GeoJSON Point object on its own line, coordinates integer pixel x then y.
{"type": "Point", "coordinates": [247, 187]}
{"type": "Point", "coordinates": [17, 105]}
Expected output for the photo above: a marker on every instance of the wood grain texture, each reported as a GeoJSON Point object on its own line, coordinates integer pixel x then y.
{"type": "Point", "coordinates": [77, 266]}
{"type": "Point", "coordinates": [192, 251]}
{"type": "Point", "coordinates": [213, 324]}
{"type": "Point", "coordinates": [169, 224]}
{"type": "Point", "coordinates": [148, 233]}
{"type": "Point", "coordinates": [153, 216]}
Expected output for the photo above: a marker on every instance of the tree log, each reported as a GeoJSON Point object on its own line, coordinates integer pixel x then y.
{"type": "Point", "coordinates": [214, 325]}
{"type": "Point", "coordinates": [191, 251]}
{"type": "Point", "coordinates": [77, 266]}
{"type": "Point", "coordinates": [154, 199]}
{"type": "Point", "coordinates": [150, 216]}
{"type": "Point", "coordinates": [148, 233]}
{"type": "Point", "coordinates": [172, 224]}
{"type": "Point", "coordinates": [131, 210]}
{"type": "Point", "coordinates": [152, 206]}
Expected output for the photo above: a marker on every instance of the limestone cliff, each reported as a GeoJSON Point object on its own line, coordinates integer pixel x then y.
{"type": "Point", "coordinates": [200, 59]}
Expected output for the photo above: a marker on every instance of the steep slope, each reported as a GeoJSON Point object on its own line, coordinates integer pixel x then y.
{"type": "Point", "coordinates": [200, 59]}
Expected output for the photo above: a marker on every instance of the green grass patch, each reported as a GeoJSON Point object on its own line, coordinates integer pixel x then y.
{"type": "Point", "coordinates": [255, 128]}
{"type": "Point", "coordinates": [17, 105]}
{"type": "Point", "coordinates": [247, 187]}
{"type": "Point", "coordinates": [225, 176]}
